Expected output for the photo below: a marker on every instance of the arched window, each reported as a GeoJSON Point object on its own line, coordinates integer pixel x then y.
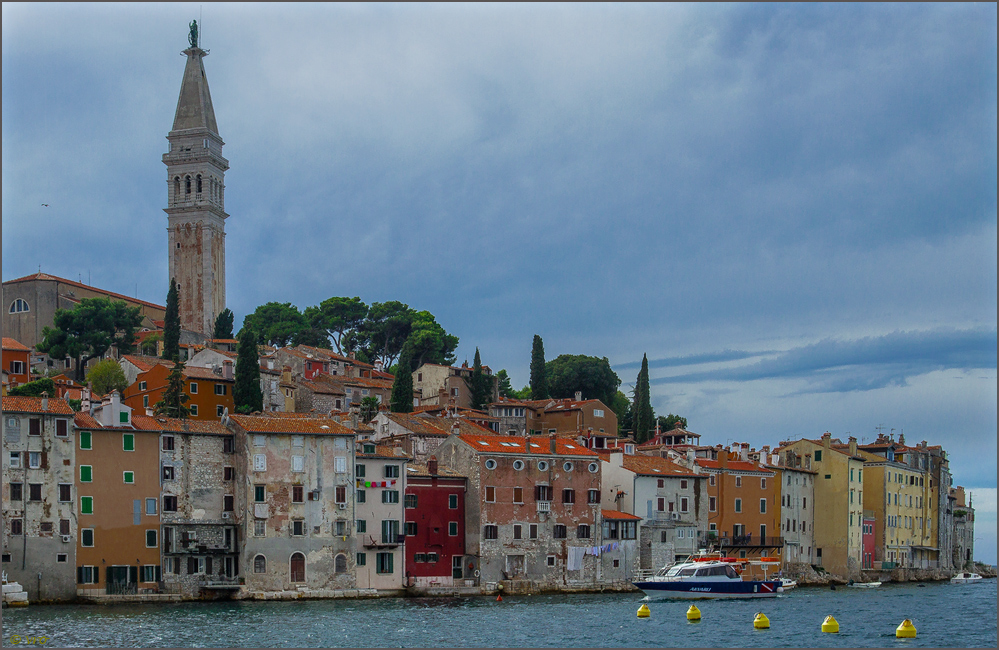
{"type": "Point", "coordinates": [298, 568]}
{"type": "Point", "coordinates": [187, 185]}
{"type": "Point", "coordinates": [340, 563]}
{"type": "Point", "coordinates": [18, 306]}
{"type": "Point", "coordinates": [259, 564]}
{"type": "Point", "coordinates": [176, 188]}
{"type": "Point", "coordinates": [199, 183]}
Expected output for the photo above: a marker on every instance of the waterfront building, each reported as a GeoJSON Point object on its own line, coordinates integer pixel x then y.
{"type": "Point", "coordinates": [532, 510]}
{"type": "Point", "coordinates": [435, 526]}
{"type": "Point", "coordinates": [379, 512]}
{"type": "Point", "coordinates": [869, 550]}
{"type": "Point", "coordinates": [209, 392]}
{"type": "Point", "coordinates": [743, 503]}
{"type": "Point", "coordinates": [797, 507]}
{"type": "Point", "coordinates": [39, 500]}
{"type": "Point", "coordinates": [839, 503]}
{"type": "Point", "coordinates": [964, 529]}
{"type": "Point", "coordinates": [118, 486]}
{"type": "Point", "coordinates": [294, 502]}
{"type": "Point", "coordinates": [670, 500]}
{"type": "Point", "coordinates": [200, 532]}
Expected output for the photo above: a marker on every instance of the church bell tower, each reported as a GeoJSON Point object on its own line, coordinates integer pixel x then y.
{"type": "Point", "coordinates": [196, 198]}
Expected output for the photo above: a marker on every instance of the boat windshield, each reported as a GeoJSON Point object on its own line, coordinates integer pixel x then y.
{"type": "Point", "coordinates": [687, 572]}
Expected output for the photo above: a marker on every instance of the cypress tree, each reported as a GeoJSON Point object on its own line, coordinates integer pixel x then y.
{"type": "Point", "coordinates": [480, 384]}
{"type": "Point", "coordinates": [402, 388]}
{"type": "Point", "coordinates": [223, 325]}
{"type": "Point", "coordinates": [642, 413]}
{"type": "Point", "coordinates": [246, 391]}
{"type": "Point", "coordinates": [172, 403]}
{"type": "Point", "coordinates": [539, 384]}
{"type": "Point", "coordinates": [171, 324]}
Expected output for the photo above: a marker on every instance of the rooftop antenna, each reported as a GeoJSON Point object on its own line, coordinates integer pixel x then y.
{"type": "Point", "coordinates": [201, 23]}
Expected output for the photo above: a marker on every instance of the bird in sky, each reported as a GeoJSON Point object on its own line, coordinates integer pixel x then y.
{"type": "Point", "coordinates": [45, 205]}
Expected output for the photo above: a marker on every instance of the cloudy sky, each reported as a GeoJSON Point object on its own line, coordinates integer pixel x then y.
{"type": "Point", "coordinates": [790, 209]}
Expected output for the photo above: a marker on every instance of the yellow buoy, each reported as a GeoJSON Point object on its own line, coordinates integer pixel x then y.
{"type": "Point", "coordinates": [643, 611]}
{"type": "Point", "coordinates": [693, 614]}
{"type": "Point", "coordinates": [761, 622]}
{"type": "Point", "coordinates": [906, 630]}
{"type": "Point", "coordinates": [830, 625]}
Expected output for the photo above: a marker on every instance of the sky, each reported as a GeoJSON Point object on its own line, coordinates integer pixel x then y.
{"type": "Point", "coordinates": [790, 209]}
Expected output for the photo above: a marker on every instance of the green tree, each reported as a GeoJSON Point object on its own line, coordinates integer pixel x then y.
{"type": "Point", "coordinates": [275, 323]}
{"type": "Point", "coordinates": [107, 376]}
{"type": "Point", "coordinates": [480, 384]}
{"type": "Point", "coordinates": [369, 408]}
{"type": "Point", "coordinates": [429, 342]}
{"type": "Point", "coordinates": [246, 393]}
{"type": "Point", "coordinates": [642, 414]}
{"type": "Point", "coordinates": [622, 408]}
{"type": "Point", "coordinates": [172, 402]}
{"type": "Point", "coordinates": [670, 422]}
{"type": "Point", "coordinates": [402, 388]}
{"type": "Point", "coordinates": [34, 388]}
{"type": "Point", "coordinates": [148, 346]}
{"type": "Point", "coordinates": [539, 383]}
{"type": "Point", "coordinates": [386, 330]}
{"type": "Point", "coordinates": [171, 324]}
{"type": "Point", "coordinates": [337, 316]}
{"type": "Point", "coordinates": [503, 385]}
{"type": "Point", "coordinates": [523, 393]}
{"type": "Point", "coordinates": [223, 324]}
{"type": "Point", "coordinates": [592, 376]}
{"type": "Point", "coordinates": [89, 330]}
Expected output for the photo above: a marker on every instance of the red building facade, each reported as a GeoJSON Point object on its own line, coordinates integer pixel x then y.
{"type": "Point", "coordinates": [867, 557]}
{"type": "Point", "coordinates": [435, 526]}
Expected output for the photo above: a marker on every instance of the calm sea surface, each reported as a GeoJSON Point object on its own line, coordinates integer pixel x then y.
{"type": "Point", "coordinates": [944, 615]}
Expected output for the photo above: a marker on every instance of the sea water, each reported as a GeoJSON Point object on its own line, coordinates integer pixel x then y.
{"type": "Point", "coordinates": [944, 615]}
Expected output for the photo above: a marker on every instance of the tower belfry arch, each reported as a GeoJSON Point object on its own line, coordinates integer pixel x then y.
{"type": "Point", "coordinates": [196, 197]}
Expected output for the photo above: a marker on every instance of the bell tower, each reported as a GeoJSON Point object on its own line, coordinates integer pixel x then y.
{"type": "Point", "coordinates": [196, 198]}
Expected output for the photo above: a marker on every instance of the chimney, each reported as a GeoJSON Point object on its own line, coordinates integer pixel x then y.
{"type": "Point", "coordinates": [45, 400]}
{"type": "Point", "coordinates": [85, 400]}
{"type": "Point", "coordinates": [551, 442]}
{"type": "Point", "coordinates": [579, 396]}
{"type": "Point", "coordinates": [826, 439]}
{"type": "Point", "coordinates": [432, 466]}
{"type": "Point", "coordinates": [853, 446]}
{"type": "Point", "coordinates": [744, 451]}
{"type": "Point", "coordinates": [227, 369]}
{"type": "Point", "coordinates": [808, 461]}
{"type": "Point", "coordinates": [723, 458]}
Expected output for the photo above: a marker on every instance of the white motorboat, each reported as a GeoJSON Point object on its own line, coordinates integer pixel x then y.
{"type": "Point", "coordinates": [787, 583]}
{"type": "Point", "coordinates": [863, 585]}
{"type": "Point", "coordinates": [966, 577]}
{"type": "Point", "coordinates": [706, 578]}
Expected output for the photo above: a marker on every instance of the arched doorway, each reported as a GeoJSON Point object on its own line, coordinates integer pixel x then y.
{"type": "Point", "coordinates": [298, 568]}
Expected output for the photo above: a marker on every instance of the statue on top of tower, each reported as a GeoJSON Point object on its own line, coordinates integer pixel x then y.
{"type": "Point", "coordinates": [192, 37]}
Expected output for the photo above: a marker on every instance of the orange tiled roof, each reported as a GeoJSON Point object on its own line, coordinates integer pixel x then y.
{"type": "Point", "coordinates": [14, 344]}
{"type": "Point", "coordinates": [46, 276]}
{"type": "Point", "coordinates": [420, 469]}
{"type": "Point", "coordinates": [321, 387]}
{"type": "Point", "coordinates": [177, 425]}
{"type": "Point", "coordinates": [144, 362]}
{"type": "Point", "coordinates": [497, 444]}
{"type": "Point", "coordinates": [203, 373]}
{"type": "Point", "coordinates": [614, 514]}
{"type": "Point", "coordinates": [733, 465]}
{"type": "Point", "coordinates": [382, 451]}
{"type": "Point", "coordinates": [654, 466]}
{"type": "Point", "coordinates": [416, 424]}
{"type": "Point", "coordinates": [464, 426]}
{"type": "Point", "coordinates": [268, 424]}
{"type": "Point", "coordinates": [34, 405]}
{"type": "Point", "coordinates": [86, 421]}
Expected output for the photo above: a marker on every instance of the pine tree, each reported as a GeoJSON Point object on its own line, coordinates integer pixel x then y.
{"type": "Point", "coordinates": [402, 388]}
{"type": "Point", "coordinates": [642, 413]}
{"type": "Point", "coordinates": [246, 391]}
{"type": "Point", "coordinates": [539, 384]}
{"type": "Point", "coordinates": [172, 403]}
{"type": "Point", "coordinates": [481, 384]}
{"type": "Point", "coordinates": [223, 324]}
{"type": "Point", "coordinates": [171, 324]}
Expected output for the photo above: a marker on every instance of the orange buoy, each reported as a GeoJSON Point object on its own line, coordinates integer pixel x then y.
{"type": "Point", "coordinates": [499, 599]}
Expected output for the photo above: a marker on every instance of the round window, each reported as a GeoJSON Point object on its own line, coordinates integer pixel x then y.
{"type": "Point", "coordinates": [567, 466]}
{"type": "Point", "coordinates": [490, 464]}
{"type": "Point", "coordinates": [593, 467]}
{"type": "Point", "coordinates": [518, 465]}
{"type": "Point", "coordinates": [542, 465]}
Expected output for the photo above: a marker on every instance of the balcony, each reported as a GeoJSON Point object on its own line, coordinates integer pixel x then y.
{"type": "Point", "coordinates": [371, 542]}
{"type": "Point", "coordinates": [544, 506]}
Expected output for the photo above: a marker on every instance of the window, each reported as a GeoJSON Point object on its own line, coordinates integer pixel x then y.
{"type": "Point", "coordinates": [567, 466]}
{"type": "Point", "coordinates": [712, 504]}
{"type": "Point", "coordinates": [149, 573]}
{"type": "Point", "coordinates": [738, 481]}
{"type": "Point", "coordinates": [559, 531]}
{"type": "Point", "coordinates": [683, 484]}
{"type": "Point", "coordinates": [452, 501]}
{"type": "Point", "coordinates": [34, 427]}
{"type": "Point", "coordinates": [683, 504]}
{"type": "Point", "coordinates": [490, 531]}
{"type": "Point", "coordinates": [340, 494]}
{"type": "Point", "coordinates": [490, 464]}
{"type": "Point", "coordinates": [593, 496]}
{"type": "Point", "coordinates": [598, 413]}
{"type": "Point", "coordinates": [62, 557]}
{"type": "Point", "coordinates": [194, 410]}
{"type": "Point", "coordinates": [128, 441]}
{"type": "Point", "coordinates": [228, 446]}
{"type": "Point", "coordinates": [390, 496]}
{"type": "Point", "coordinates": [169, 503]}
{"type": "Point", "coordinates": [151, 506]}
{"type": "Point", "coordinates": [738, 505]}
{"type": "Point", "coordinates": [361, 496]}
{"type": "Point", "coordinates": [298, 463]}
{"type": "Point", "coordinates": [34, 492]}
{"type": "Point", "coordinates": [65, 492]}
{"type": "Point", "coordinates": [259, 493]}
{"type": "Point", "coordinates": [18, 306]}
{"type": "Point", "coordinates": [518, 464]}
{"type": "Point", "coordinates": [518, 495]}
{"type": "Point", "coordinates": [804, 502]}
{"type": "Point", "coordinates": [259, 462]}
{"type": "Point", "coordinates": [168, 472]}
{"type": "Point", "coordinates": [194, 388]}
{"type": "Point", "coordinates": [87, 505]}
{"type": "Point", "coordinates": [583, 531]}
{"type": "Point", "coordinates": [340, 465]}
{"type": "Point", "coordinates": [87, 537]}
{"type": "Point", "coordinates": [661, 483]}
{"type": "Point", "coordinates": [551, 560]}
{"type": "Point", "coordinates": [297, 494]}
{"type": "Point", "coordinates": [34, 459]}
{"type": "Point", "coordinates": [711, 480]}
{"type": "Point", "coordinates": [16, 527]}
{"type": "Point", "coordinates": [298, 527]}
{"type": "Point", "coordinates": [391, 471]}
{"type": "Point", "coordinates": [542, 465]}
{"type": "Point", "coordinates": [340, 563]}
{"type": "Point", "coordinates": [259, 564]}
{"type": "Point", "coordinates": [128, 477]}
{"type": "Point", "coordinates": [16, 493]}
{"type": "Point", "coordinates": [227, 473]}
{"type": "Point", "coordinates": [359, 471]}
{"type": "Point", "coordinates": [763, 506]}
{"type": "Point", "coordinates": [568, 495]}
{"type": "Point", "coordinates": [410, 500]}
{"type": "Point", "coordinates": [362, 559]}
{"type": "Point", "coordinates": [220, 389]}
{"type": "Point", "coordinates": [383, 563]}
{"type": "Point", "coordinates": [490, 494]}
{"type": "Point", "coordinates": [517, 528]}
{"type": "Point", "coordinates": [542, 493]}
{"type": "Point", "coordinates": [259, 527]}
{"type": "Point", "coordinates": [593, 468]}
{"type": "Point", "coordinates": [219, 410]}
{"type": "Point", "coordinates": [62, 430]}
{"type": "Point", "coordinates": [151, 538]}
{"type": "Point", "coordinates": [85, 442]}
{"type": "Point", "coordinates": [818, 458]}
{"type": "Point", "coordinates": [410, 528]}
{"type": "Point", "coordinates": [390, 531]}
{"type": "Point", "coordinates": [532, 531]}
{"type": "Point", "coordinates": [452, 528]}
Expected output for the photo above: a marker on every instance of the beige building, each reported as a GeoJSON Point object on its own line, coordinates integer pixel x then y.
{"type": "Point", "coordinates": [380, 519]}
{"type": "Point", "coordinates": [437, 385]}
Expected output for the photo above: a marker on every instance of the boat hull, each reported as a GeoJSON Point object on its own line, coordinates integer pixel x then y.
{"type": "Point", "coordinates": [699, 590]}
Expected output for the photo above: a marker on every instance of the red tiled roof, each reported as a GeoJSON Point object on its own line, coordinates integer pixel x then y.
{"type": "Point", "coordinates": [145, 363]}
{"type": "Point", "coordinates": [203, 373]}
{"type": "Point", "coordinates": [85, 421]}
{"type": "Point", "coordinates": [46, 276]}
{"type": "Point", "coordinates": [176, 425]}
{"type": "Point", "coordinates": [321, 387]}
{"type": "Point", "coordinates": [14, 344]}
{"type": "Point", "coordinates": [268, 424]}
{"type": "Point", "coordinates": [416, 424]}
{"type": "Point", "coordinates": [224, 340]}
{"type": "Point", "coordinates": [497, 444]}
{"type": "Point", "coordinates": [382, 451]}
{"type": "Point", "coordinates": [654, 466]}
{"type": "Point", "coordinates": [34, 405]}
{"type": "Point", "coordinates": [614, 514]}
{"type": "Point", "coordinates": [464, 426]}
{"type": "Point", "coordinates": [733, 465]}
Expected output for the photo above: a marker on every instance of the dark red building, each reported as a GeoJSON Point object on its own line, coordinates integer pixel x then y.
{"type": "Point", "coordinates": [867, 540]}
{"type": "Point", "coordinates": [435, 526]}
